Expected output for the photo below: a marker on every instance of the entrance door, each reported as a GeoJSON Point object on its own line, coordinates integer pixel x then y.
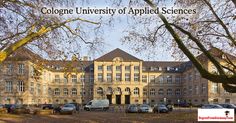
{"type": "Point", "coordinates": [127, 99]}
{"type": "Point", "coordinates": [109, 97]}
{"type": "Point", "coordinates": [118, 99]}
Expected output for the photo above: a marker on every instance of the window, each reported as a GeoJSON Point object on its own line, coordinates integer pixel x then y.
{"type": "Point", "coordinates": [169, 91]}
{"type": "Point", "coordinates": [196, 89]}
{"type": "Point", "coordinates": [44, 89]}
{"type": "Point", "coordinates": [74, 78]}
{"type": "Point", "coordinates": [91, 91]}
{"type": "Point", "coordinates": [118, 89]}
{"type": "Point", "coordinates": [57, 78]}
{"type": "Point", "coordinates": [82, 78]}
{"type": "Point", "coordinates": [100, 91]}
{"type": "Point", "coordinates": [136, 77]}
{"type": "Point", "coordinates": [203, 89]}
{"type": "Point", "coordinates": [100, 78]}
{"type": "Point", "coordinates": [160, 91]}
{"type": "Point", "coordinates": [32, 87]}
{"type": "Point", "coordinates": [109, 68]}
{"type": "Point", "coordinates": [91, 79]}
{"type": "Point", "coordinates": [177, 79]}
{"type": "Point", "coordinates": [65, 79]}
{"type": "Point", "coordinates": [38, 89]}
{"type": "Point", "coordinates": [184, 91]}
{"type": "Point", "coordinates": [169, 79]}
{"type": "Point", "coordinates": [99, 68]}
{"type": "Point", "coordinates": [127, 77]}
{"type": "Point", "coordinates": [214, 88]}
{"type": "Point", "coordinates": [9, 69]}
{"type": "Point", "coordinates": [8, 86]}
{"type": "Point", "coordinates": [109, 90]}
{"type": "Point", "coordinates": [118, 77]}
{"type": "Point", "coordinates": [21, 69]}
{"type": "Point", "coordinates": [20, 86]}
{"type": "Point", "coordinates": [109, 77]}
{"type": "Point", "coordinates": [190, 90]}
{"type": "Point", "coordinates": [118, 68]}
{"type": "Point", "coordinates": [161, 80]}
{"type": "Point", "coordinates": [190, 77]}
{"type": "Point", "coordinates": [145, 91]}
{"type": "Point", "coordinates": [65, 91]}
{"type": "Point", "coordinates": [144, 78]}
{"type": "Point", "coordinates": [177, 92]}
{"type": "Point", "coordinates": [152, 92]}
{"type": "Point", "coordinates": [136, 91]}
{"type": "Point", "coordinates": [152, 79]}
{"type": "Point", "coordinates": [136, 68]}
{"type": "Point", "coordinates": [57, 91]}
{"type": "Point", "coordinates": [74, 91]}
{"type": "Point", "coordinates": [127, 89]}
{"type": "Point", "coordinates": [127, 68]}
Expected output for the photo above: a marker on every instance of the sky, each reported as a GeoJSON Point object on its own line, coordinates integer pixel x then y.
{"type": "Point", "coordinates": [113, 35]}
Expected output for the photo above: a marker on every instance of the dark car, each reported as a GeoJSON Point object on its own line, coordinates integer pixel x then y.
{"type": "Point", "coordinates": [47, 106]}
{"type": "Point", "coordinates": [10, 107]}
{"type": "Point", "coordinates": [76, 105]}
{"type": "Point", "coordinates": [230, 106]}
{"type": "Point", "coordinates": [132, 108]}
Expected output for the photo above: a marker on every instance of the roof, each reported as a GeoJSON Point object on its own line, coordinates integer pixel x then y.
{"type": "Point", "coordinates": [24, 54]}
{"type": "Point", "coordinates": [167, 66]}
{"type": "Point", "coordinates": [117, 53]}
{"type": "Point", "coordinates": [67, 66]}
{"type": "Point", "coordinates": [217, 53]}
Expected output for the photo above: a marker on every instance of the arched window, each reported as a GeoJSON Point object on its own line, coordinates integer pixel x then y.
{"type": "Point", "coordinates": [144, 91]}
{"type": "Point", "coordinates": [74, 91]}
{"type": "Point", "coordinates": [136, 91]}
{"type": "Point", "coordinates": [57, 91]}
{"type": "Point", "coordinates": [100, 91]}
{"type": "Point", "coordinates": [65, 91]}
{"type": "Point", "coordinates": [109, 90]}
{"type": "Point", "coordinates": [118, 89]}
{"type": "Point", "coordinates": [152, 91]}
{"type": "Point", "coordinates": [160, 91]}
{"type": "Point", "coordinates": [169, 91]}
{"type": "Point", "coordinates": [177, 92]}
{"type": "Point", "coordinates": [127, 89]}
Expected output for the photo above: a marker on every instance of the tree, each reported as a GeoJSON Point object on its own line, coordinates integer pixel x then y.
{"type": "Point", "coordinates": [212, 27]}
{"type": "Point", "coordinates": [22, 24]}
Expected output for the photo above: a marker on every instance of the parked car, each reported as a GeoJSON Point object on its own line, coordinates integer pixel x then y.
{"type": "Point", "coordinates": [161, 108]}
{"type": "Point", "coordinates": [76, 105]}
{"type": "Point", "coordinates": [47, 106]}
{"type": "Point", "coordinates": [56, 109]}
{"type": "Point", "coordinates": [10, 107]}
{"type": "Point", "coordinates": [184, 104]}
{"type": "Point", "coordinates": [1, 106]}
{"type": "Point", "coordinates": [68, 108]}
{"type": "Point", "coordinates": [97, 104]}
{"type": "Point", "coordinates": [211, 106]}
{"type": "Point", "coordinates": [230, 106]}
{"type": "Point", "coordinates": [132, 108]}
{"type": "Point", "coordinates": [144, 108]}
{"type": "Point", "coordinates": [170, 107]}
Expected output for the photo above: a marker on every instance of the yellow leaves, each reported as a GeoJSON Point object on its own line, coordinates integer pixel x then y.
{"type": "Point", "coordinates": [3, 56]}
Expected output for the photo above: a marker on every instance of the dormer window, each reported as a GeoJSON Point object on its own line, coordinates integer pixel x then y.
{"type": "Point", "coordinates": [168, 68]}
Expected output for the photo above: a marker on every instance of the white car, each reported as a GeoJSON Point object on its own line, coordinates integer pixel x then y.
{"type": "Point", "coordinates": [68, 108]}
{"type": "Point", "coordinates": [144, 108]}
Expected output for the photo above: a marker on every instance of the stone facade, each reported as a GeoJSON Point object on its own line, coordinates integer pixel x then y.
{"type": "Point", "coordinates": [118, 76]}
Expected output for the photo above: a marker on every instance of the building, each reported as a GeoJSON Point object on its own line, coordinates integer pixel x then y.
{"type": "Point", "coordinates": [26, 78]}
